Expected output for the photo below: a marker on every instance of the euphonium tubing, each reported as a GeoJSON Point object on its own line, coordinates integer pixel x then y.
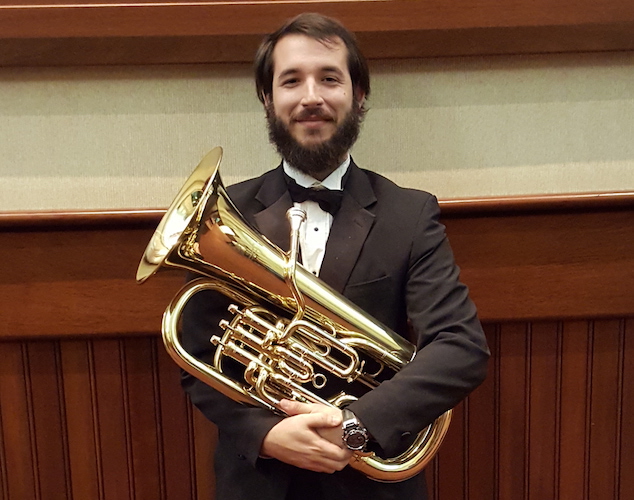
{"type": "Point", "coordinates": [319, 331]}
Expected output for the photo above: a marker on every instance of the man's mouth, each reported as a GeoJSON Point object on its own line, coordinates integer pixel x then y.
{"type": "Point", "coordinates": [313, 117]}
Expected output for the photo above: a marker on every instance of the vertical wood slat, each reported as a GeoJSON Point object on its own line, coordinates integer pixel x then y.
{"type": "Point", "coordinates": [604, 413]}
{"type": "Point", "coordinates": [15, 413]}
{"type": "Point", "coordinates": [574, 428]}
{"type": "Point", "coordinates": [481, 443]}
{"type": "Point", "coordinates": [626, 478]}
{"type": "Point", "coordinates": [83, 439]}
{"type": "Point", "coordinates": [113, 434]}
{"type": "Point", "coordinates": [202, 453]}
{"type": "Point", "coordinates": [176, 431]}
{"type": "Point", "coordinates": [542, 411]}
{"type": "Point", "coordinates": [143, 419]}
{"type": "Point", "coordinates": [513, 387]}
{"type": "Point", "coordinates": [49, 420]}
{"type": "Point", "coordinates": [451, 478]}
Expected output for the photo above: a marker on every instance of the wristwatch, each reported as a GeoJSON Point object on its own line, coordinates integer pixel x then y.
{"type": "Point", "coordinates": [355, 436]}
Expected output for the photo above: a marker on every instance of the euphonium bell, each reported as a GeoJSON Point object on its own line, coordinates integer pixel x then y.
{"type": "Point", "coordinates": [293, 334]}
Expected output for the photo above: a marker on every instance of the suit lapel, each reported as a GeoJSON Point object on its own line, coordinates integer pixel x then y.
{"type": "Point", "coordinates": [349, 230]}
{"type": "Point", "coordinates": [271, 221]}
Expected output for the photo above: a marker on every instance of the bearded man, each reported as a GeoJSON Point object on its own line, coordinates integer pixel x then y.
{"type": "Point", "coordinates": [377, 244]}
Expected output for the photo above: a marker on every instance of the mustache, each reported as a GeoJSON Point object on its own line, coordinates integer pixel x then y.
{"type": "Point", "coordinates": [313, 113]}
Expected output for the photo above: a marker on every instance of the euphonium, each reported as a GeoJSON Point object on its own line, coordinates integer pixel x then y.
{"type": "Point", "coordinates": [292, 334]}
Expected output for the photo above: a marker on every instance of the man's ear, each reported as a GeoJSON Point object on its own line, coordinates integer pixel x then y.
{"type": "Point", "coordinates": [266, 99]}
{"type": "Point", "coordinates": [359, 96]}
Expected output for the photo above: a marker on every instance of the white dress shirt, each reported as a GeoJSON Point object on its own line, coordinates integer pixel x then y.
{"type": "Point", "coordinates": [314, 232]}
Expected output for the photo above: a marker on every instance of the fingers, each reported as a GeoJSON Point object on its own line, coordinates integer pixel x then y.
{"type": "Point", "coordinates": [332, 434]}
{"type": "Point", "coordinates": [295, 441]}
{"type": "Point", "coordinates": [295, 407]}
{"type": "Point", "coordinates": [317, 420]}
{"type": "Point", "coordinates": [331, 417]}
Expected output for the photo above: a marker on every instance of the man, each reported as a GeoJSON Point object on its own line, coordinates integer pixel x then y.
{"type": "Point", "coordinates": [383, 249]}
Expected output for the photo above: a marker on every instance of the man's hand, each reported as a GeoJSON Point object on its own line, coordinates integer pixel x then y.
{"type": "Point", "coordinates": [309, 438]}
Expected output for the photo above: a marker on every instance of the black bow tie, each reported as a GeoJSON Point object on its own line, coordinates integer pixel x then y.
{"type": "Point", "coordinates": [328, 200]}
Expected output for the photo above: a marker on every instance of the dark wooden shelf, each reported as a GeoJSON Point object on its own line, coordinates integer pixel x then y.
{"type": "Point", "coordinates": [54, 32]}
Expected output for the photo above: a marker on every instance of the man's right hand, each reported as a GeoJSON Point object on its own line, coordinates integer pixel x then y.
{"type": "Point", "coordinates": [296, 440]}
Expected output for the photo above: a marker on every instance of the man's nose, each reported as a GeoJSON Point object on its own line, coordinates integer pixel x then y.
{"type": "Point", "coordinates": [312, 95]}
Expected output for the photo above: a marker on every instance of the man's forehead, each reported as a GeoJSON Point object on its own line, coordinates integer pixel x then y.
{"type": "Point", "coordinates": [282, 54]}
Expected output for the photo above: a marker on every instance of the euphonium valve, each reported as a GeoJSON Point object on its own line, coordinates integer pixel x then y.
{"type": "Point", "coordinates": [292, 335]}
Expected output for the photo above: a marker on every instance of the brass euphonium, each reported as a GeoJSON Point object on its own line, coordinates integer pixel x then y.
{"type": "Point", "coordinates": [292, 333]}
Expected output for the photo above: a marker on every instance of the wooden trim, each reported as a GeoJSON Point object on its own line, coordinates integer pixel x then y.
{"type": "Point", "coordinates": [71, 274]}
{"type": "Point", "coordinates": [450, 207]}
{"type": "Point", "coordinates": [538, 203]}
{"type": "Point", "coordinates": [113, 32]}
{"type": "Point", "coordinates": [81, 218]}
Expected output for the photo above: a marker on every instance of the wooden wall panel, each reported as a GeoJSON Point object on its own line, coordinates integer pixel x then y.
{"type": "Point", "coordinates": [548, 423]}
{"type": "Point", "coordinates": [543, 414]}
{"type": "Point", "coordinates": [626, 445]}
{"type": "Point", "coordinates": [606, 376]}
{"type": "Point", "coordinates": [450, 479]}
{"type": "Point", "coordinates": [555, 427]}
{"type": "Point", "coordinates": [482, 417]}
{"type": "Point", "coordinates": [91, 406]}
{"type": "Point", "coordinates": [176, 433]}
{"type": "Point", "coordinates": [18, 464]}
{"type": "Point", "coordinates": [102, 419]}
{"type": "Point", "coordinates": [574, 417]}
{"type": "Point", "coordinates": [115, 32]}
{"type": "Point", "coordinates": [79, 399]}
{"type": "Point", "coordinates": [48, 418]}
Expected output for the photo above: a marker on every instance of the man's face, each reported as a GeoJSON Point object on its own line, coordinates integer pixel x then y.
{"type": "Point", "coordinates": [312, 89]}
{"type": "Point", "coordinates": [313, 117]}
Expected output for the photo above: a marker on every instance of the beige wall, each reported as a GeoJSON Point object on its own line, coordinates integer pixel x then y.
{"type": "Point", "coordinates": [126, 137]}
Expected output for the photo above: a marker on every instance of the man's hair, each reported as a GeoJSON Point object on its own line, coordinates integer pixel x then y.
{"type": "Point", "coordinates": [317, 27]}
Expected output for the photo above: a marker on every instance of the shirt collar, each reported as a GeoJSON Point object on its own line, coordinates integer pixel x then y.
{"type": "Point", "coordinates": [333, 181]}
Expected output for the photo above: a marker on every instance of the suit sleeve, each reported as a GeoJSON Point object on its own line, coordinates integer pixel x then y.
{"type": "Point", "coordinates": [245, 427]}
{"type": "Point", "coordinates": [452, 352]}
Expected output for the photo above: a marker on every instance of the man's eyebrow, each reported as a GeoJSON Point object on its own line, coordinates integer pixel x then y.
{"type": "Point", "coordinates": [287, 72]}
{"type": "Point", "coordinates": [332, 69]}
{"type": "Point", "coordinates": [325, 69]}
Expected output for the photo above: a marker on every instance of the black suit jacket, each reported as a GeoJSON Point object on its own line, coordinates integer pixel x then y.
{"type": "Point", "coordinates": [388, 253]}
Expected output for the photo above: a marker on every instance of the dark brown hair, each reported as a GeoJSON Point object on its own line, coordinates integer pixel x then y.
{"type": "Point", "coordinates": [317, 27]}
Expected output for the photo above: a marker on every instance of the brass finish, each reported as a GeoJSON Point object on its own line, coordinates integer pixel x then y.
{"type": "Point", "coordinates": [290, 331]}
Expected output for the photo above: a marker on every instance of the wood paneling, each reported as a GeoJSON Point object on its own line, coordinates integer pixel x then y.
{"type": "Point", "coordinates": [115, 32]}
{"type": "Point", "coordinates": [91, 407]}
{"type": "Point", "coordinates": [548, 421]}
{"type": "Point", "coordinates": [97, 419]}
{"type": "Point", "coordinates": [571, 260]}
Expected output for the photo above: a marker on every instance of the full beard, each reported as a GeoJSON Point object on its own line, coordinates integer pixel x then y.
{"type": "Point", "coordinates": [319, 160]}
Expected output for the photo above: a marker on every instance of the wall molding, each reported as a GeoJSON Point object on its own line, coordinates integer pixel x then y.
{"type": "Point", "coordinates": [524, 258]}
{"type": "Point", "coordinates": [75, 32]}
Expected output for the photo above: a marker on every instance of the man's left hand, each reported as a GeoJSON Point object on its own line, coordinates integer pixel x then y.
{"type": "Point", "coordinates": [332, 434]}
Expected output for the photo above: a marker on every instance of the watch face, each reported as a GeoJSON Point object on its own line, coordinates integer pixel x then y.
{"type": "Point", "coordinates": [356, 439]}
